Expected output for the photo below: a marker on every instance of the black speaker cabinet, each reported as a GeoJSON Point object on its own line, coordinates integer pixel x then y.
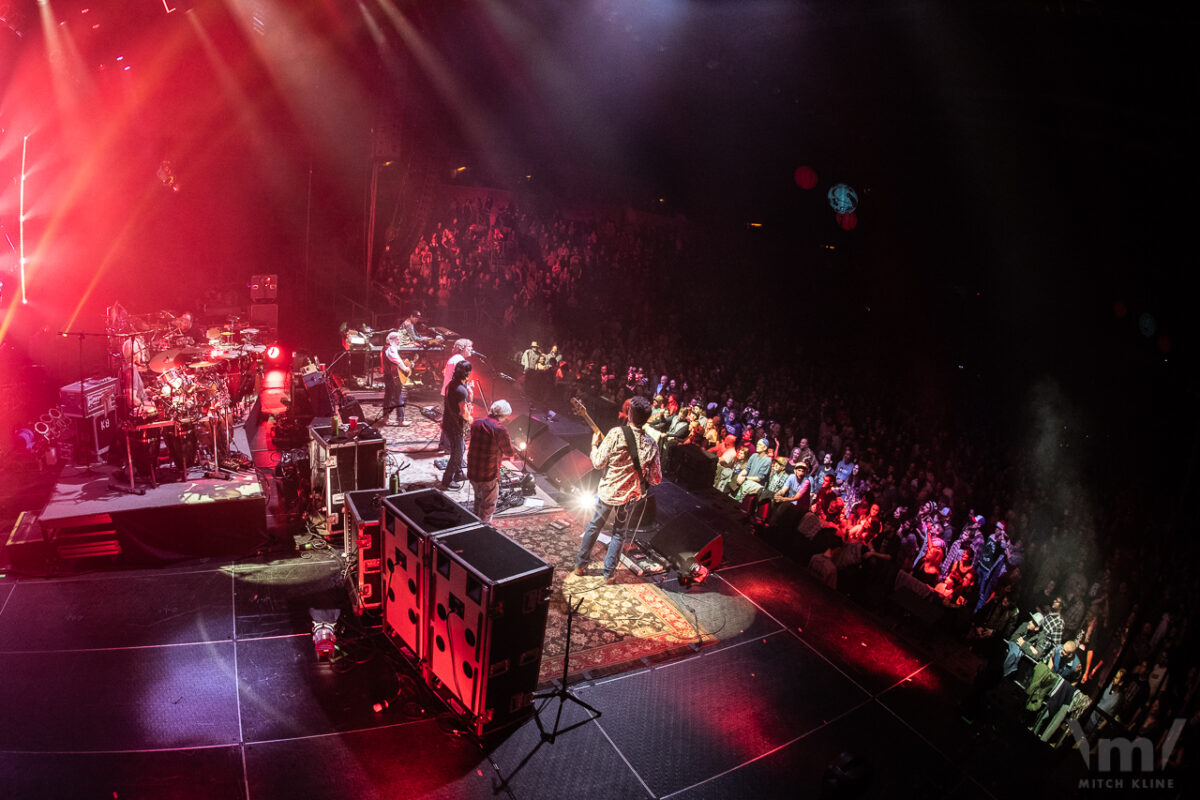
{"type": "Point", "coordinates": [574, 470]}
{"type": "Point", "coordinates": [363, 547]}
{"type": "Point", "coordinates": [696, 468]}
{"type": "Point", "coordinates": [525, 429]}
{"type": "Point", "coordinates": [343, 464]}
{"type": "Point", "coordinates": [490, 600]}
{"type": "Point", "coordinates": [546, 449]}
{"type": "Point", "coordinates": [317, 391]}
{"type": "Point", "coordinates": [686, 541]}
{"type": "Point", "coordinates": [410, 521]}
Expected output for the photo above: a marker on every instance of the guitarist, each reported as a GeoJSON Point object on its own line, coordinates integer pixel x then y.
{"type": "Point", "coordinates": [631, 465]}
{"type": "Point", "coordinates": [395, 379]}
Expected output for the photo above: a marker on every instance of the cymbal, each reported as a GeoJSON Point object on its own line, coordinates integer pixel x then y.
{"type": "Point", "coordinates": [202, 364]}
{"type": "Point", "coordinates": [167, 359]}
{"type": "Point", "coordinates": [250, 331]}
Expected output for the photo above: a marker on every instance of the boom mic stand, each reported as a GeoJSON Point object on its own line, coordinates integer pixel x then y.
{"type": "Point", "coordinates": [548, 736]}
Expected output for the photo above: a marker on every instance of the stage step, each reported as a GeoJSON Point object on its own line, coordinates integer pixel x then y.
{"type": "Point", "coordinates": [93, 536]}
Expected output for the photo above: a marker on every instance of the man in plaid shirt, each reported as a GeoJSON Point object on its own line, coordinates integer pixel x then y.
{"type": "Point", "coordinates": [490, 444]}
{"type": "Point", "coordinates": [1052, 625]}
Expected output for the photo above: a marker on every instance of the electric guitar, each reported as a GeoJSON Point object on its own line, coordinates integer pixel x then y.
{"type": "Point", "coordinates": [581, 410]}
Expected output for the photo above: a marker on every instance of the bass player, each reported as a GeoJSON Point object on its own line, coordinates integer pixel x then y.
{"type": "Point", "coordinates": [631, 465]}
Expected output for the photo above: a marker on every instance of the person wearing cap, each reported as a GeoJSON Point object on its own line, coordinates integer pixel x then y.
{"type": "Point", "coordinates": [490, 444]}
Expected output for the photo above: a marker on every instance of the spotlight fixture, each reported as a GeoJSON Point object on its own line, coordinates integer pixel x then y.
{"type": "Point", "coordinates": [324, 631]}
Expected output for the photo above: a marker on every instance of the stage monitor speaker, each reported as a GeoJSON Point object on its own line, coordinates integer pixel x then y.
{"type": "Point", "coordinates": [525, 429]}
{"type": "Point", "coordinates": [363, 546]}
{"type": "Point", "coordinates": [488, 626]}
{"type": "Point", "coordinates": [574, 470]}
{"type": "Point", "coordinates": [545, 450]}
{"type": "Point", "coordinates": [410, 521]}
{"type": "Point", "coordinates": [317, 391]}
{"type": "Point", "coordinates": [687, 541]}
{"type": "Point", "coordinates": [696, 468]}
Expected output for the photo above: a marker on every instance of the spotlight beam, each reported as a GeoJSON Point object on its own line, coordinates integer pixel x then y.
{"type": "Point", "coordinates": [21, 218]}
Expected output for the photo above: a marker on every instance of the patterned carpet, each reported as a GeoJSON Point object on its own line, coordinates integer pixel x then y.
{"type": "Point", "coordinates": [423, 434]}
{"type": "Point", "coordinates": [617, 627]}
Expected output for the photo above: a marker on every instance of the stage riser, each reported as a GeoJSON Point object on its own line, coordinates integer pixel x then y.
{"type": "Point", "coordinates": [216, 529]}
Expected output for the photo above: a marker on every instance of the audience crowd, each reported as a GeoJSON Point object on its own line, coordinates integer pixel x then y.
{"type": "Point", "coordinates": [880, 498]}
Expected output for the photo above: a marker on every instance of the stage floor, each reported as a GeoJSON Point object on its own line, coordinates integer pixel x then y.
{"type": "Point", "coordinates": [199, 679]}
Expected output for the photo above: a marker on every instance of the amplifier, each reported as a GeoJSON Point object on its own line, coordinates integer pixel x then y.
{"type": "Point", "coordinates": [490, 600]}
{"type": "Point", "coordinates": [343, 464]}
{"type": "Point", "coordinates": [411, 522]}
{"type": "Point", "coordinates": [98, 393]}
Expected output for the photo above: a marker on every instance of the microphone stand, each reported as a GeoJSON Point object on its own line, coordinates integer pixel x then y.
{"type": "Point", "coordinates": [548, 736]}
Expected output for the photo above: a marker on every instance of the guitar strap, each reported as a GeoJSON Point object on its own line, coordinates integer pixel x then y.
{"type": "Point", "coordinates": [633, 452]}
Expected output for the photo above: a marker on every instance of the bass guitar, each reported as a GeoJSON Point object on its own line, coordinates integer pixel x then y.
{"type": "Point", "coordinates": [580, 410]}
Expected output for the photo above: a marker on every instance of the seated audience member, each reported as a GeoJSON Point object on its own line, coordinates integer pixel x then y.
{"type": "Point", "coordinates": [826, 469]}
{"type": "Point", "coordinates": [822, 564]}
{"type": "Point", "coordinates": [738, 466]}
{"type": "Point", "coordinates": [751, 478]}
{"type": "Point", "coordinates": [930, 567]}
{"type": "Point", "coordinates": [802, 452]}
{"type": "Point", "coordinates": [794, 500]}
{"type": "Point", "coordinates": [845, 467]}
{"type": "Point", "coordinates": [827, 493]}
{"type": "Point", "coordinates": [766, 498]}
{"type": "Point", "coordinates": [725, 459]}
{"type": "Point", "coordinates": [959, 579]}
{"type": "Point", "coordinates": [997, 618]}
{"type": "Point", "coordinates": [866, 524]}
{"type": "Point", "coordinates": [1026, 640]}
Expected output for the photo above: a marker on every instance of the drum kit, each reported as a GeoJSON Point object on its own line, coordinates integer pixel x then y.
{"type": "Point", "coordinates": [187, 383]}
{"type": "Point", "coordinates": [187, 391]}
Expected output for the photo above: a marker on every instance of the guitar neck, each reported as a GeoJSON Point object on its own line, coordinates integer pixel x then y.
{"type": "Point", "coordinates": [582, 412]}
{"type": "Point", "coordinates": [595, 428]}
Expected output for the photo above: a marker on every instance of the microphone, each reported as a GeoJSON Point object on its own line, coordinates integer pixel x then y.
{"type": "Point", "coordinates": [477, 353]}
{"type": "Point", "coordinates": [508, 378]}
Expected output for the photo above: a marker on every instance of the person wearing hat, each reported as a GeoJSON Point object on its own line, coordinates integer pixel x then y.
{"type": "Point", "coordinates": [529, 359]}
